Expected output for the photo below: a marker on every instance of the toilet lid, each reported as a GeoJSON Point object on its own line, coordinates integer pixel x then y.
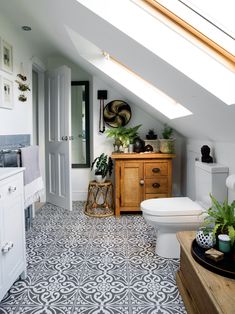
{"type": "Point", "coordinates": [174, 206]}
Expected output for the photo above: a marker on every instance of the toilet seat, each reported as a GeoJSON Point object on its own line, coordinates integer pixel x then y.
{"type": "Point", "coordinates": [172, 207]}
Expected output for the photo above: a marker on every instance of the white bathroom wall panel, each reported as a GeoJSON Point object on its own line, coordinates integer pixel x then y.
{"type": "Point", "coordinates": [19, 119]}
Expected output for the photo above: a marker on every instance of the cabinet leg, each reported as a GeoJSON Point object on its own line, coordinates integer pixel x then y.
{"type": "Point", "coordinates": [117, 212]}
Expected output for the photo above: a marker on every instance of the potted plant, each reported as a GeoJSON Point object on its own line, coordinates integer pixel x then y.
{"type": "Point", "coordinates": [123, 137]}
{"type": "Point", "coordinates": [167, 142]}
{"type": "Point", "coordinates": [103, 166]}
{"type": "Point", "coordinates": [221, 218]}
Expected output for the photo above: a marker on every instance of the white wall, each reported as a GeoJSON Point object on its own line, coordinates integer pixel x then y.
{"type": "Point", "coordinates": [222, 152]}
{"type": "Point", "coordinates": [19, 119]}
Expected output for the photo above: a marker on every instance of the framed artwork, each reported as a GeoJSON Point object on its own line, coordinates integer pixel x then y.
{"type": "Point", "coordinates": [6, 57]}
{"type": "Point", "coordinates": [6, 93]}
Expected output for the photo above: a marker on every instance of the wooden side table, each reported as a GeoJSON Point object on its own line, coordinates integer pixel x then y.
{"type": "Point", "coordinates": [202, 290]}
{"type": "Point", "coordinates": [99, 199]}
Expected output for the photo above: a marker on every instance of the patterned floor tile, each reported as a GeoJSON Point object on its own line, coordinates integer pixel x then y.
{"type": "Point", "coordinates": [83, 265]}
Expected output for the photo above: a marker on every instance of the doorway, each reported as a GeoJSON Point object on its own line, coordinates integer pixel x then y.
{"type": "Point", "coordinates": [38, 120]}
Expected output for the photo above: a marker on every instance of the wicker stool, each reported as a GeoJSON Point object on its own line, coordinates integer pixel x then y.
{"type": "Point", "coordinates": [99, 199]}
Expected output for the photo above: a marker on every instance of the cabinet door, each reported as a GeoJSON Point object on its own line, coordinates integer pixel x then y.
{"type": "Point", "coordinates": [132, 187]}
{"type": "Point", "coordinates": [13, 260]}
{"type": "Point", "coordinates": [2, 291]}
{"type": "Point", "coordinates": [12, 226]}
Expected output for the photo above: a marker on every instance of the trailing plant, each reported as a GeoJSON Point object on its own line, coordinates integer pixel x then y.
{"type": "Point", "coordinates": [125, 135]}
{"type": "Point", "coordinates": [167, 132]}
{"type": "Point", "coordinates": [103, 165]}
{"type": "Point", "coordinates": [222, 218]}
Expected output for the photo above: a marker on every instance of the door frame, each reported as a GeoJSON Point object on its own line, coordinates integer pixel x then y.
{"type": "Point", "coordinates": [39, 67]}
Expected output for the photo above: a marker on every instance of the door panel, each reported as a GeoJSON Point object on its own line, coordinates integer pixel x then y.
{"type": "Point", "coordinates": [131, 189]}
{"type": "Point", "coordinates": [58, 131]}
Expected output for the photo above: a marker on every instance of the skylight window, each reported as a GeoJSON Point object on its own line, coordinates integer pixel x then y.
{"type": "Point", "coordinates": [144, 90]}
{"type": "Point", "coordinates": [156, 33]}
{"type": "Point", "coordinates": [210, 21]}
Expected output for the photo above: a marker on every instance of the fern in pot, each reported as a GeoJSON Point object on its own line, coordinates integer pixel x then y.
{"type": "Point", "coordinates": [222, 219]}
{"type": "Point", "coordinates": [103, 166]}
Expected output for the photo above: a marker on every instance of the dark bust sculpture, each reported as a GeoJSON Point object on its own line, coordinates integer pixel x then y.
{"type": "Point", "coordinates": [205, 150]}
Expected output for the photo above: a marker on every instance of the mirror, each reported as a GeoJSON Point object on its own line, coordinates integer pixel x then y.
{"type": "Point", "coordinates": [80, 124]}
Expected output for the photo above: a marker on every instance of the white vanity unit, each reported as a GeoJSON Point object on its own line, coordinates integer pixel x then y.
{"type": "Point", "coordinates": [12, 228]}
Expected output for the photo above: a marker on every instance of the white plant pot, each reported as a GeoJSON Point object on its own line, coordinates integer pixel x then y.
{"type": "Point", "coordinates": [125, 149]}
{"type": "Point", "coordinates": [99, 179]}
{"type": "Point", "coordinates": [131, 148]}
{"type": "Point", "coordinates": [205, 240]}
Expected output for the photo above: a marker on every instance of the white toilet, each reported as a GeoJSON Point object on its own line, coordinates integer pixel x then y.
{"type": "Point", "coordinates": [170, 215]}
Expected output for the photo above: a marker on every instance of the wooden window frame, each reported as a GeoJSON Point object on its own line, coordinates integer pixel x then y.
{"type": "Point", "coordinates": [192, 30]}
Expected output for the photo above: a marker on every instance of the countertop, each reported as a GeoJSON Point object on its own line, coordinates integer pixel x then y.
{"type": "Point", "coordinates": [7, 172]}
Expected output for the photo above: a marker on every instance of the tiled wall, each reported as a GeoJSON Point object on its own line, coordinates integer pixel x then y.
{"type": "Point", "coordinates": [14, 141]}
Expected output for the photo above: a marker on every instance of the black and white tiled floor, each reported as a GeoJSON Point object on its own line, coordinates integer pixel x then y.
{"type": "Point", "coordinates": [83, 265]}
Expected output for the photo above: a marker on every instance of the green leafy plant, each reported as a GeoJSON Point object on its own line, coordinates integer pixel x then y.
{"type": "Point", "coordinates": [167, 132]}
{"type": "Point", "coordinates": [103, 165]}
{"type": "Point", "coordinates": [125, 135]}
{"type": "Point", "coordinates": [222, 218]}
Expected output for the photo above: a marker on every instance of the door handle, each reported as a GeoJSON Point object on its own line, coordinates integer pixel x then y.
{"type": "Point", "coordinates": [11, 189]}
{"type": "Point", "coordinates": [7, 247]}
{"type": "Point", "coordinates": [64, 138]}
{"type": "Point", "coordinates": [156, 185]}
{"type": "Point", "coordinates": [155, 170]}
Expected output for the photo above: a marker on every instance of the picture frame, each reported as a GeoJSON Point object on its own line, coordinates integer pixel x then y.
{"type": "Point", "coordinates": [6, 59]}
{"type": "Point", "coordinates": [6, 93]}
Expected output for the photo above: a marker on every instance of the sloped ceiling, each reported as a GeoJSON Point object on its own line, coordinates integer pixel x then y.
{"type": "Point", "coordinates": [50, 21]}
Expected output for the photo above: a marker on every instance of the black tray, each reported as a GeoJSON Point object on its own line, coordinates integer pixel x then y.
{"type": "Point", "coordinates": [224, 267]}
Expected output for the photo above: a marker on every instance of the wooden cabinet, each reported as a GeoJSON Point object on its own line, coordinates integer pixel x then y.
{"type": "Point", "coordinates": [12, 228]}
{"type": "Point", "coordinates": [202, 290]}
{"type": "Point", "coordinates": [139, 177]}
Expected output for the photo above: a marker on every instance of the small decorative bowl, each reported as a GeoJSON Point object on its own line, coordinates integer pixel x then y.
{"type": "Point", "coordinates": [205, 238]}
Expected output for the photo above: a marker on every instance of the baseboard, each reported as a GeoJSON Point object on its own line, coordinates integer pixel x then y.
{"type": "Point", "coordinates": [79, 196]}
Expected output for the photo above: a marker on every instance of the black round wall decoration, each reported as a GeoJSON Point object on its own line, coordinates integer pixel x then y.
{"type": "Point", "coordinates": [117, 113]}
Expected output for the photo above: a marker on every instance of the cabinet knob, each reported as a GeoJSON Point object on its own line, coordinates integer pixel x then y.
{"type": "Point", "coordinates": [11, 189]}
{"type": "Point", "coordinates": [142, 182]}
{"type": "Point", "coordinates": [156, 185]}
{"type": "Point", "coordinates": [64, 138]}
{"type": "Point", "coordinates": [156, 170]}
{"type": "Point", "coordinates": [7, 247]}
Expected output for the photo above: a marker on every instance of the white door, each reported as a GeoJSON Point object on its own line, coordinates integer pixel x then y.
{"type": "Point", "coordinates": [58, 135]}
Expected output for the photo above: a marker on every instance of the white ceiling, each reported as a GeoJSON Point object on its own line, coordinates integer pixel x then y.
{"type": "Point", "coordinates": [50, 21]}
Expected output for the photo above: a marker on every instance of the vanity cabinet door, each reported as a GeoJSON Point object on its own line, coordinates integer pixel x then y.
{"type": "Point", "coordinates": [132, 183]}
{"type": "Point", "coordinates": [12, 232]}
{"type": "Point", "coordinates": [1, 239]}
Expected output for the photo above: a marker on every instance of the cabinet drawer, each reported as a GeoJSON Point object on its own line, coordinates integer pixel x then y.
{"type": "Point", "coordinates": [156, 186]}
{"type": "Point", "coordinates": [11, 186]}
{"type": "Point", "coordinates": [148, 196]}
{"type": "Point", "coordinates": [156, 169]}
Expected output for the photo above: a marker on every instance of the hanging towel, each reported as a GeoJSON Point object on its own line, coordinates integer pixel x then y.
{"type": "Point", "coordinates": [33, 183]}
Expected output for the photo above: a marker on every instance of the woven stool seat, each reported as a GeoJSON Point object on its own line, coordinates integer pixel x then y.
{"type": "Point", "coordinates": [99, 199]}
